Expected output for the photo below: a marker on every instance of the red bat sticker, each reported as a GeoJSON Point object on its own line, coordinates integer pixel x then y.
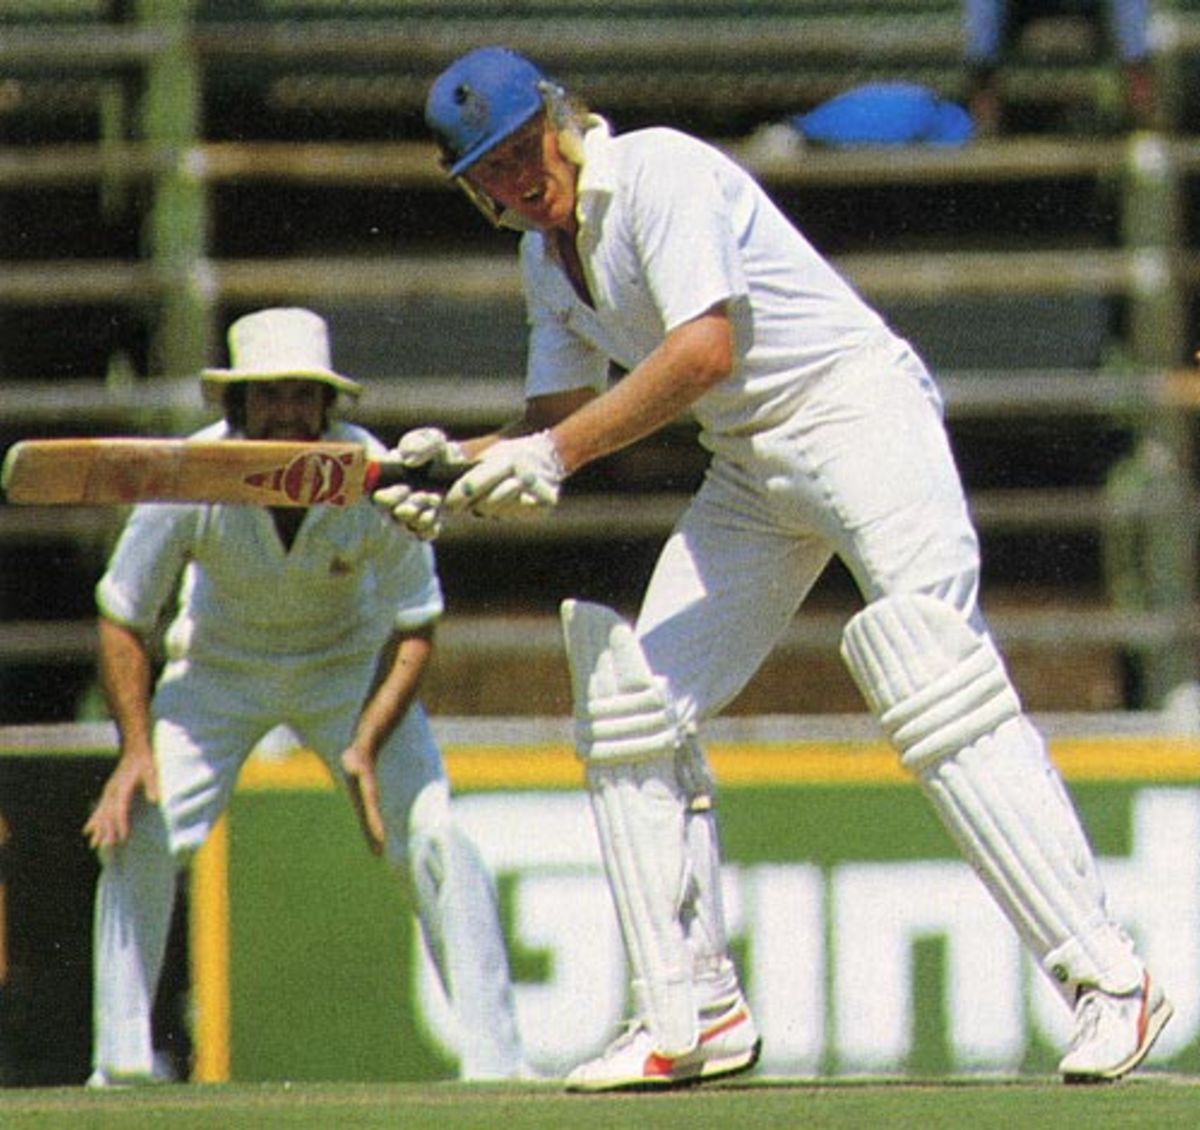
{"type": "Point", "coordinates": [311, 479]}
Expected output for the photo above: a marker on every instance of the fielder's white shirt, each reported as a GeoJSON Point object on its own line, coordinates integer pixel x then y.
{"type": "Point", "coordinates": [669, 227]}
{"type": "Point", "coordinates": [350, 578]}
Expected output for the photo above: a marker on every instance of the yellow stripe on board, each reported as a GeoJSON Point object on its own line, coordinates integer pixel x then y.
{"type": "Point", "coordinates": [1137, 759]}
{"type": "Point", "coordinates": [754, 764]}
{"type": "Point", "coordinates": [209, 946]}
{"type": "Point", "coordinates": [469, 767]}
{"type": "Point", "coordinates": [876, 763]}
{"type": "Point", "coordinates": [300, 771]}
{"type": "Point", "coordinates": [551, 765]}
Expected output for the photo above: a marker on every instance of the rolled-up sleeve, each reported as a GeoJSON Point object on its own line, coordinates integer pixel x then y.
{"type": "Point", "coordinates": [144, 569]}
{"type": "Point", "coordinates": [406, 581]}
{"type": "Point", "coordinates": [686, 243]}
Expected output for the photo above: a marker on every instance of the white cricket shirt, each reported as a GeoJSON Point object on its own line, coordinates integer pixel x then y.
{"type": "Point", "coordinates": [669, 226]}
{"type": "Point", "coordinates": [349, 579]}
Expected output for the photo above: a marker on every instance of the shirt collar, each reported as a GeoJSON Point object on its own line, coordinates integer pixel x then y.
{"type": "Point", "coordinates": [598, 175]}
{"type": "Point", "coordinates": [595, 184]}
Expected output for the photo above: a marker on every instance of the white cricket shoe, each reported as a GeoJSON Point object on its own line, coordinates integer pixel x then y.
{"type": "Point", "coordinates": [729, 1043]}
{"type": "Point", "coordinates": [105, 1080]}
{"type": "Point", "coordinates": [1114, 1032]}
{"type": "Point", "coordinates": [161, 1072]}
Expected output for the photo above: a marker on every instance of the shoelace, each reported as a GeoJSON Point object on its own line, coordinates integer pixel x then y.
{"type": "Point", "coordinates": [632, 1029]}
{"type": "Point", "coordinates": [1090, 1009]}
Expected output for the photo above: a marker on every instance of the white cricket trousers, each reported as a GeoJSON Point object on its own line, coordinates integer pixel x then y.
{"type": "Point", "coordinates": [207, 720]}
{"type": "Point", "coordinates": [863, 471]}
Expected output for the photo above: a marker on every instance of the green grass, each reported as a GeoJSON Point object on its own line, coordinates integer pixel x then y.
{"type": "Point", "coordinates": [761, 1104]}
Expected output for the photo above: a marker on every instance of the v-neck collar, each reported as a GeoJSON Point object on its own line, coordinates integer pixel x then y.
{"type": "Point", "coordinates": [285, 524]}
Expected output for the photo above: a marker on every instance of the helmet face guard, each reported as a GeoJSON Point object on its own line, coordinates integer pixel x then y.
{"type": "Point", "coordinates": [497, 215]}
{"type": "Point", "coordinates": [476, 104]}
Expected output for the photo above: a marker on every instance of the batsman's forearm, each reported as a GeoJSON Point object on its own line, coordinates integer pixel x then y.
{"type": "Point", "coordinates": [690, 360]}
{"type": "Point", "coordinates": [125, 676]}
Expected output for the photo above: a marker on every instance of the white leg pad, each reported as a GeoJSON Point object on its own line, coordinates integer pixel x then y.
{"type": "Point", "coordinates": [627, 735]}
{"type": "Point", "coordinates": [934, 683]}
{"type": "Point", "coordinates": [623, 711]}
{"type": "Point", "coordinates": [943, 697]}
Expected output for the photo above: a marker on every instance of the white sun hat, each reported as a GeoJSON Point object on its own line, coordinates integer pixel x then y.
{"type": "Point", "coordinates": [274, 345]}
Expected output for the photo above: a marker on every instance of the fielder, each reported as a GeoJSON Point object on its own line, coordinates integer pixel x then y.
{"type": "Point", "coordinates": [653, 251]}
{"type": "Point", "coordinates": [321, 619]}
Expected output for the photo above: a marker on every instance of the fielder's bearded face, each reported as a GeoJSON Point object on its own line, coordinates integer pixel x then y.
{"type": "Point", "coordinates": [287, 409]}
{"type": "Point", "coordinates": [527, 174]}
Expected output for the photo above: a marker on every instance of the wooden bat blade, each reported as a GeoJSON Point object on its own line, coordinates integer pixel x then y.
{"type": "Point", "coordinates": [120, 471]}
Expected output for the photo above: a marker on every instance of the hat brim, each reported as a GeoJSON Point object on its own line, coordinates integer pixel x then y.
{"type": "Point", "coordinates": [214, 381]}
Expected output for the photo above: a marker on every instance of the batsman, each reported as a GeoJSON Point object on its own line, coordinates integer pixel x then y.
{"type": "Point", "coordinates": [651, 255]}
{"type": "Point", "coordinates": [321, 619]}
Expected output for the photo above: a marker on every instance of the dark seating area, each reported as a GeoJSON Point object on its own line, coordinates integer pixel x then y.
{"type": "Point", "coordinates": [166, 167]}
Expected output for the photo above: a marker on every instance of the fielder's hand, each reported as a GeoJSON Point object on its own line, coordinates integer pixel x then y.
{"type": "Point", "coordinates": [513, 478]}
{"type": "Point", "coordinates": [364, 795]}
{"type": "Point", "coordinates": [108, 824]}
{"type": "Point", "coordinates": [420, 511]}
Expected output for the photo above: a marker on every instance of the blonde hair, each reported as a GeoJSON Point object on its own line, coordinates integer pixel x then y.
{"type": "Point", "coordinates": [571, 118]}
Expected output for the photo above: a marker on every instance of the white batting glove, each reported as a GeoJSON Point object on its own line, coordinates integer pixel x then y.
{"type": "Point", "coordinates": [428, 445]}
{"type": "Point", "coordinates": [514, 478]}
{"type": "Point", "coordinates": [417, 511]}
{"type": "Point", "coordinates": [420, 511]}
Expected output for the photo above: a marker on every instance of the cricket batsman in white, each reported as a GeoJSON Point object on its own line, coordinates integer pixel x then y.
{"type": "Point", "coordinates": [320, 619]}
{"type": "Point", "coordinates": [652, 253]}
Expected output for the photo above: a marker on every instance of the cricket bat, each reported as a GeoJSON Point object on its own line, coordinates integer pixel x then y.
{"type": "Point", "coordinates": [120, 471]}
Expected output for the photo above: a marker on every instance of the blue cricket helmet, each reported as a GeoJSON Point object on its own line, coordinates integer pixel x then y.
{"type": "Point", "coordinates": [479, 100]}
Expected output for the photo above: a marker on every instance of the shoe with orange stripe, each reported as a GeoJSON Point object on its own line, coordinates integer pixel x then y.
{"type": "Point", "coordinates": [1114, 1032]}
{"type": "Point", "coordinates": [729, 1043]}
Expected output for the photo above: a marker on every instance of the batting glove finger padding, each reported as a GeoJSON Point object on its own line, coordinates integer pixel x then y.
{"type": "Point", "coordinates": [513, 478]}
{"type": "Point", "coordinates": [417, 511]}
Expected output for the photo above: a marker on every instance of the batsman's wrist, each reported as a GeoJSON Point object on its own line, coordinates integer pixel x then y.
{"type": "Point", "coordinates": [555, 466]}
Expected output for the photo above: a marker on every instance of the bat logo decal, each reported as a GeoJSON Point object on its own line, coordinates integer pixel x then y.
{"type": "Point", "coordinates": [311, 479]}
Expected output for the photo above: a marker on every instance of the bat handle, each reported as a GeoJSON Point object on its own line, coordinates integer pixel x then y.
{"type": "Point", "coordinates": [383, 473]}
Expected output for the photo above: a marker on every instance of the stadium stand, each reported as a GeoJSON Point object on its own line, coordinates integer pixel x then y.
{"type": "Point", "coordinates": [165, 166]}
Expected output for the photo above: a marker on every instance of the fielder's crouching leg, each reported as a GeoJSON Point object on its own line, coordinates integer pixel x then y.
{"type": "Point", "coordinates": [135, 895]}
{"type": "Point", "coordinates": [460, 920]}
